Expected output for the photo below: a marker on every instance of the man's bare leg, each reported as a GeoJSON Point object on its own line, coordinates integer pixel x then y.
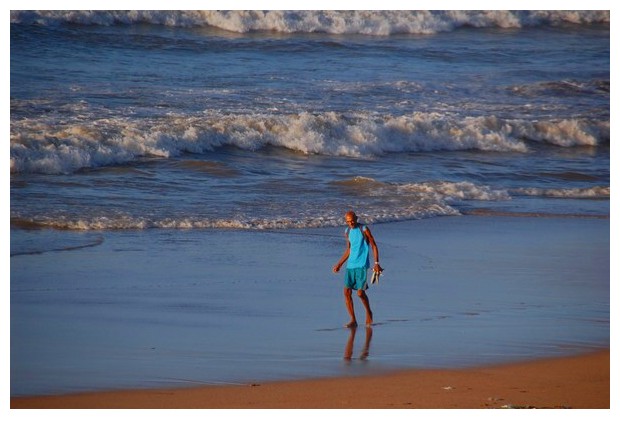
{"type": "Point", "coordinates": [348, 300]}
{"type": "Point", "coordinates": [366, 303]}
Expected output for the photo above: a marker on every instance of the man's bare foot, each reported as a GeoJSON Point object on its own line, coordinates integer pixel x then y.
{"type": "Point", "coordinates": [369, 319]}
{"type": "Point", "coordinates": [351, 324]}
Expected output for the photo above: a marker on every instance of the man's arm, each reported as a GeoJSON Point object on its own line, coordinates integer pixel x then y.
{"type": "Point", "coordinates": [344, 257]}
{"type": "Point", "coordinates": [375, 249]}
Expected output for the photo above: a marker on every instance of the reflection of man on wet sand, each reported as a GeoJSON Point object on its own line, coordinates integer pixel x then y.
{"type": "Point", "coordinates": [348, 351]}
{"type": "Point", "coordinates": [359, 241]}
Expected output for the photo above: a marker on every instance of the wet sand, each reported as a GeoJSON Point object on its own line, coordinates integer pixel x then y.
{"type": "Point", "coordinates": [570, 382]}
{"type": "Point", "coordinates": [171, 319]}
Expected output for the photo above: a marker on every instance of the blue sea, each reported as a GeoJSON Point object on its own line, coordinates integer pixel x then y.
{"type": "Point", "coordinates": [130, 130]}
{"type": "Point", "coordinates": [135, 120]}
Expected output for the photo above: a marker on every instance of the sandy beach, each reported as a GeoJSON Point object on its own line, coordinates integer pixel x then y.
{"type": "Point", "coordinates": [573, 382]}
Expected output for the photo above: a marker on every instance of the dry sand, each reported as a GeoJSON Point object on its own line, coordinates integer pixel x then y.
{"type": "Point", "coordinates": [570, 382]}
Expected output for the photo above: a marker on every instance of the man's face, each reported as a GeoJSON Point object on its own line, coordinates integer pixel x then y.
{"type": "Point", "coordinates": [350, 220]}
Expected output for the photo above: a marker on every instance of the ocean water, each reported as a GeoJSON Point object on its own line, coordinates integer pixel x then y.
{"type": "Point", "coordinates": [135, 120]}
{"type": "Point", "coordinates": [151, 148]}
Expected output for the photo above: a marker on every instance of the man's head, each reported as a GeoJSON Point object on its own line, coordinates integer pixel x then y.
{"type": "Point", "coordinates": [350, 218]}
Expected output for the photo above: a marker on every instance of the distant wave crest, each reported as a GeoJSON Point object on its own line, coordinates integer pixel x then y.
{"type": "Point", "coordinates": [594, 192]}
{"type": "Point", "coordinates": [41, 146]}
{"type": "Point", "coordinates": [379, 23]}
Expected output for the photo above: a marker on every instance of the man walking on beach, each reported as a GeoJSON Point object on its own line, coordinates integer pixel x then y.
{"type": "Point", "coordinates": [359, 240]}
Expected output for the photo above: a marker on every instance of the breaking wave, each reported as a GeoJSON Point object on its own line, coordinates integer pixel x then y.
{"type": "Point", "coordinates": [62, 147]}
{"type": "Point", "coordinates": [377, 23]}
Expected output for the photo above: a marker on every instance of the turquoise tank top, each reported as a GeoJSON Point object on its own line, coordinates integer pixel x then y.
{"type": "Point", "coordinates": [358, 255]}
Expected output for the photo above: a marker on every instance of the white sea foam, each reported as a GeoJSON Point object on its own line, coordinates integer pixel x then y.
{"type": "Point", "coordinates": [452, 191]}
{"type": "Point", "coordinates": [41, 146]}
{"type": "Point", "coordinates": [567, 132]}
{"type": "Point", "coordinates": [435, 190]}
{"type": "Point", "coordinates": [387, 202]}
{"type": "Point", "coordinates": [319, 221]}
{"type": "Point", "coordinates": [380, 23]}
{"type": "Point", "coordinates": [593, 192]}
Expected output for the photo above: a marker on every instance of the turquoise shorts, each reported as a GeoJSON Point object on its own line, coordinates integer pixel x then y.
{"type": "Point", "coordinates": [356, 278]}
